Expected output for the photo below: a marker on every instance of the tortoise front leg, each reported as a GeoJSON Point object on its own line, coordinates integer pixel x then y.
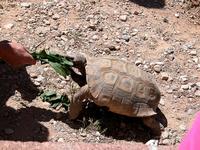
{"type": "Point", "coordinates": [76, 103]}
{"type": "Point", "coordinates": [79, 79]}
{"type": "Point", "coordinates": [153, 124]}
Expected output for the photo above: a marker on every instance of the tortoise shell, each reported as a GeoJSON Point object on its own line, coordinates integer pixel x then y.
{"type": "Point", "coordinates": [122, 87]}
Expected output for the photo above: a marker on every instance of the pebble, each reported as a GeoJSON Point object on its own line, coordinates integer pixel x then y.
{"type": "Point", "coordinates": [157, 68]}
{"type": "Point", "coordinates": [136, 13]}
{"type": "Point", "coordinates": [184, 78]}
{"type": "Point", "coordinates": [138, 62]}
{"type": "Point", "coordinates": [182, 127]}
{"type": "Point", "coordinates": [60, 140]}
{"type": "Point", "coordinates": [197, 93]}
{"type": "Point", "coordinates": [190, 111]}
{"type": "Point", "coordinates": [165, 135]}
{"type": "Point", "coordinates": [165, 20]}
{"type": "Point", "coordinates": [8, 26]}
{"type": "Point", "coordinates": [55, 16]}
{"type": "Point", "coordinates": [195, 59]}
{"type": "Point", "coordinates": [166, 142]}
{"type": "Point", "coordinates": [83, 134]}
{"type": "Point", "coordinates": [185, 87]}
{"type": "Point", "coordinates": [198, 84]}
{"type": "Point", "coordinates": [25, 5]}
{"type": "Point", "coordinates": [40, 78]}
{"type": "Point", "coordinates": [164, 76]}
{"type": "Point", "coordinates": [162, 102]}
{"type": "Point", "coordinates": [97, 133]}
{"type": "Point", "coordinates": [95, 37]}
{"type": "Point", "coordinates": [123, 18]}
{"type": "Point", "coordinates": [177, 15]}
{"type": "Point", "coordinates": [126, 37]}
{"type": "Point", "coordinates": [193, 53]}
{"type": "Point", "coordinates": [134, 32]}
{"type": "Point", "coordinates": [9, 131]}
{"type": "Point", "coordinates": [42, 30]}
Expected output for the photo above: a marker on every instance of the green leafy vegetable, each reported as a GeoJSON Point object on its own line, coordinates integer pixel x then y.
{"type": "Point", "coordinates": [55, 100]}
{"type": "Point", "coordinates": [59, 63]}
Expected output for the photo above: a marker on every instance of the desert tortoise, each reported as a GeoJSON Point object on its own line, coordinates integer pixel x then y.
{"type": "Point", "coordinates": [117, 84]}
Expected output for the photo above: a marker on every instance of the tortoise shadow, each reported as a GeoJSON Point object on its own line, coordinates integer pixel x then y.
{"type": "Point", "coordinates": [114, 125]}
{"type": "Point", "coordinates": [150, 3]}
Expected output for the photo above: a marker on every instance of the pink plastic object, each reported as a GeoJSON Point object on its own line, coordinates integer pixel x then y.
{"type": "Point", "coordinates": [191, 141]}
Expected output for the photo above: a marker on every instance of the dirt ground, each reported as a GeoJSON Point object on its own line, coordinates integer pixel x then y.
{"type": "Point", "coordinates": [161, 37]}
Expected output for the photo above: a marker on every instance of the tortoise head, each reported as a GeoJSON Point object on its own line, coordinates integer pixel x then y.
{"type": "Point", "coordinates": [78, 59]}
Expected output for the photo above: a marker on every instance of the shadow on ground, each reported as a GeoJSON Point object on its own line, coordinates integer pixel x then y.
{"type": "Point", "coordinates": [116, 126]}
{"type": "Point", "coordinates": [150, 3]}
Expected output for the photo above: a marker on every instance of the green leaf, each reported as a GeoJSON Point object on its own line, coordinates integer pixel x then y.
{"type": "Point", "coordinates": [49, 93]}
{"type": "Point", "coordinates": [59, 63]}
{"type": "Point", "coordinates": [59, 69]}
{"type": "Point", "coordinates": [55, 100]}
{"type": "Point", "coordinates": [55, 105]}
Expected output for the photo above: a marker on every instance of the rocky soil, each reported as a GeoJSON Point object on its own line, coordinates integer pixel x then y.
{"type": "Point", "coordinates": [160, 37]}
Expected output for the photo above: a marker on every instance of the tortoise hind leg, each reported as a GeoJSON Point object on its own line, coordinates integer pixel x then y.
{"type": "Point", "coordinates": [76, 103]}
{"type": "Point", "coordinates": [153, 124]}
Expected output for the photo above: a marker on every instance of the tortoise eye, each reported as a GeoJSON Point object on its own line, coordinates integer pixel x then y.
{"type": "Point", "coordinates": [151, 92]}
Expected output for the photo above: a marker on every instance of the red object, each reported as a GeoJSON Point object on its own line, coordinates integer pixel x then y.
{"type": "Point", "coordinates": [191, 141]}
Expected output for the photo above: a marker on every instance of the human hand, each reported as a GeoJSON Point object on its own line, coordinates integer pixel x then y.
{"type": "Point", "coordinates": [15, 54]}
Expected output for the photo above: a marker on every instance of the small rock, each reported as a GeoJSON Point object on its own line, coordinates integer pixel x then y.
{"type": "Point", "coordinates": [9, 26]}
{"type": "Point", "coordinates": [9, 131]}
{"type": "Point", "coordinates": [166, 142]}
{"type": "Point", "coordinates": [198, 66]}
{"type": "Point", "coordinates": [97, 133]}
{"type": "Point", "coordinates": [190, 111]}
{"type": "Point", "coordinates": [184, 78]}
{"type": "Point", "coordinates": [182, 127]}
{"type": "Point", "coordinates": [198, 84]}
{"type": "Point", "coordinates": [42, 30]}
{"type": "Point", "coordinates": [195, 59]}
{"type": "Point", "coordinates": [157, 68]}
{"type": "Point", "coordinates": [55, 16]}
{"type": "Point", "coordinates": [123, 18]}
{"type": "Point", "coordinates": [136, 13]}
{"type": "Point", "coordinates": [126, 37]}
{"type": "Point", "coordinates": [60, 140]}
{"type": "Point", "coordinates": [83, 134]}
{"type": "Point", "coordinates": [138, 62]}
{"type": "Point", "coordinates": [37, 83]}
{"type": "Point", "coordinates": [165, 20]}
{"type": "Point", "coordinates": [197, 93]}
{"type": "Point", "coordinates": [46, 22]}
{"type": "Point", "coordinates": [162, 102]}
{"type": "Point", "coordinates": [185, 87]}
{"type": "Point", "coordinates": [25, 5]}
{"type": "Point", "coordinates": [164, 76]}
{"type": "Point", "coordinates": [177, 15]}
{"type": "Point", "coordinates": [33, 75]}
{"type": "Point", "coordinates": [134, 32]}
{"type": "Point", "coordinates": [165, 135]}
{"type": "Point", "coordinates": [95, 37]}
{"type": "Point", "coordinates": [39, 78]}
{"type": "Point", "coordinates": [193, 52]}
